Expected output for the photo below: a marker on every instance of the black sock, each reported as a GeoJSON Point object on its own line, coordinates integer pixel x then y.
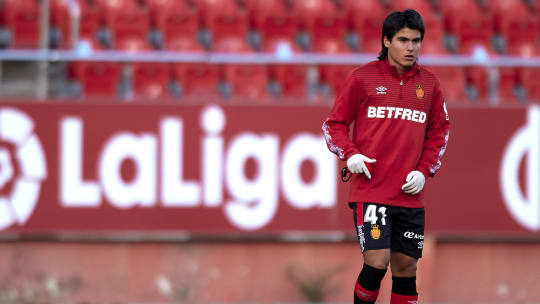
{"type": "Point", "coordinates": [404, 286]}
{"type": "Point", "coordinates": [367, 285]}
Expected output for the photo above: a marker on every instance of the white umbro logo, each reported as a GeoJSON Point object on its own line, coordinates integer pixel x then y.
{"type": "Point", "coordinates": [381, 90]}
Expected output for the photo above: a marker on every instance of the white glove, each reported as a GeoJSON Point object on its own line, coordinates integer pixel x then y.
{"type": "Point", "coordinates": [414, 183]}
{"type": "Point", "coordinates": [356, 164]}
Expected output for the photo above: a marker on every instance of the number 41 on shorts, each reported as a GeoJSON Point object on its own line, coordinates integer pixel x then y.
{"type": "Point", "coordinates": [371, 214]}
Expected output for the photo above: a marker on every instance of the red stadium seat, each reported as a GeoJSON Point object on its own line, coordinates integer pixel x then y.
{"type": "Point", "coordinates": [366, 18]}
{"type": "Point", "coordinates": [334, 75]}
{"type": "Point", "coordinates": [129, 23]}
{"type": "Point", "coordinates": [273, 20]}
{"type": "Point", "coordinates": [292, 80]}
{"type": "Point", "coordinates": [248, 82]}
{"type": "Point", "coordinates": [331, 46]}
{"type": "Point", "coordinates": [150, 80]}
{"type": "Point", "coordinates": [197, 79]}
{"type": "Point", "coordinates": [508, 80]}
{"type": "Point", "coordinates": [433, 47]}
{"type": "Point", "coordinates": [472, 26]}
{"type": "Point", "coordinates": [233, 45]}
{"type": "Point", "coordinates": [60, 20]}
{"type": "Point", "coordinates": [224, 19]}
{"type": "Point", "coordinates": [98, 79]}
{"type": "Point", "coordinates": [424, 7]}
{"type": "Point", "coordinates": [514, 22]}
{"type": "Point", "coordinates": [176, 20]}
{"type": "Point", "coordinates": [90, 19]}
{"type": "Point", "coordinates": [478, 77]}
{"type": "Point", "coordinates": [321, 19]}
{"type": "Point", "coordinates": [22, 19]}
{"type": "Point", "coordinates": [452, 80]}
{"type": "Point", "coordinates": [530, 79]}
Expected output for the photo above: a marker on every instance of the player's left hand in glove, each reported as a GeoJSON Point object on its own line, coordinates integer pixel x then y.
{"type": "Point", "coordinates": [414, 183]}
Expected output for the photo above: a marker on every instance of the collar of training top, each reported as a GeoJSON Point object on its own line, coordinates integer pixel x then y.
{"type": "Point", "coordinates": [393, 71]}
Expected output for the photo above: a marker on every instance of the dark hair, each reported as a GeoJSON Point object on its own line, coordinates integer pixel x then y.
{"type": "Point", "coordinates": [395, 22]}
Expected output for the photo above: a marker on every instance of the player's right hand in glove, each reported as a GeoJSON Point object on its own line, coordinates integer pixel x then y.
{"type": "Point", "coordinates": [357, 164]}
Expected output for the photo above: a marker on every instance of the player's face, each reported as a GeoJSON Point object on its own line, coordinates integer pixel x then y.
{"type": "Point", "coordinates": [404, 48]}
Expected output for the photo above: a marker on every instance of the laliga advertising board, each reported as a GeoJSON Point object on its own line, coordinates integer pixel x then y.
{"type": "Point", "coordinates": [99, 168]}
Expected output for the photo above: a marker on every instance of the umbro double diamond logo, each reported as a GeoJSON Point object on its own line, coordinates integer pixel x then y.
{"type": "Point", "coordinates": [381, 90]}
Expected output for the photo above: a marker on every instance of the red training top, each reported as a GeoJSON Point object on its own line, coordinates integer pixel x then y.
{"type": "Point", "coordinates": [401, 122]}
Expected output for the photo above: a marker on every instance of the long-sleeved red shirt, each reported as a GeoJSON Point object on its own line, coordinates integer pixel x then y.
{"type": "Point", "coordinates": [401, 122]}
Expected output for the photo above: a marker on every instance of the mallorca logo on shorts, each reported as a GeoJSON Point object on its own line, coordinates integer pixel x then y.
{"type": "Point", "coordinates": [420, 92]}
{"type": "Point", "coordinates": [375, 232]}
{"type": "Point", "coordinates": [22, 167]}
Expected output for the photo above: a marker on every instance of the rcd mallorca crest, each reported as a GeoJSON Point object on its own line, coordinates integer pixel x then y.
{"type": "Point", "coordinates": [22, 167]}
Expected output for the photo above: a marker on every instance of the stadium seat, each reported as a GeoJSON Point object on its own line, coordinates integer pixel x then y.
{"type": "Point", "coordinates": [176, 20]}
{"type": "Point", "coordinates": [22, 19]}
{"type": "Point", "coordinates": [529, 78]}
{"type": "Point", "coordinates": [365, 18]}
{"type": "Point", "coordinates": [331, 46]}
{"type": "Point", "coordinates": [60, 22]}
{"type": "Point", "coordinates": [90, 19]}
{"type": "Point", "coordinates": [478, 78]}
{"type": "Point", "coordinates": [508, 80]}
{"type": "Point", "coordinates": [224, 20]}
{"type": "Point", "coordinates": [515, 23]}
{"type": "Point", "coordinates": [471, 25]}
{"type": "Point", "coordinates": [321, 19]}
{"type": "Point", "coordinates": [273, 20]}
{"type": "Point", "coordinates": [248, 82]}
{"type": "Point", "coordinates": [98, 79]}
{"type": "Point", "coordinates": [424, 7]}
{"type": "Point", "coordinates": [129, 23]}
{"type": "Point", "coordinates": [334, 75]}
{"type": "Point", "coordinates": [150, 80]}
{"type": "Point", "coordinates": [197, 79]}
{"type": "Point", "coordinates": [433, 47]}
{"type": "Point", "coordinates": [292, 80]}
{"type": "Point", "coordinates": [452, 80]}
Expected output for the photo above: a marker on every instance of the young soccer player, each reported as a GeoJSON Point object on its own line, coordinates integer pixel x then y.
{"type": "Point", "coordinates": [400, 134]}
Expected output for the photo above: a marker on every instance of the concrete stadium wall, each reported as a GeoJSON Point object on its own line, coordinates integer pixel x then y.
{"type": "Point", "coordinates": [267, 272]}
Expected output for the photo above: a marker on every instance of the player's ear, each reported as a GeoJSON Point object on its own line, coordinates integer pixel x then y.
{"type": "Point", "coordinates": [386, 42]}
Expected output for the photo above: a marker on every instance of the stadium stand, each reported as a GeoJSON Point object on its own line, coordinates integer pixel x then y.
{"type": "Point", "coordinates": [473, 29]}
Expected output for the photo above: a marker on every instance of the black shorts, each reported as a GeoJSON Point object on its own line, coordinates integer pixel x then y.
{"type": "Point", "coordinates": [380, 226]}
